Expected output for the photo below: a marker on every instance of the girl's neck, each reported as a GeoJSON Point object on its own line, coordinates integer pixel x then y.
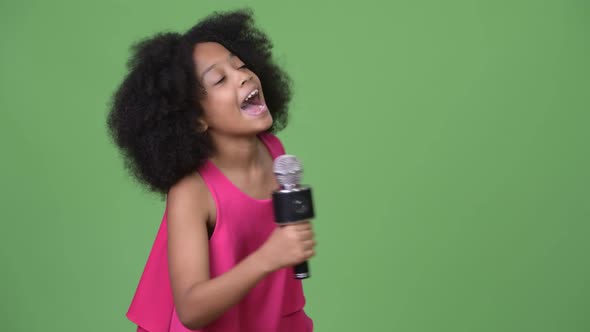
{"type": "Point", "coordinates": [237, 152]}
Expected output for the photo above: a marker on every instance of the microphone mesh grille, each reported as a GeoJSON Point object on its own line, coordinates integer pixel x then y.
{"type": "Point", "coordinates": [287, 169]}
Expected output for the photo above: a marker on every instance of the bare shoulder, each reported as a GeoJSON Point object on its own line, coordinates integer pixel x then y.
{"type": "Point", "coordinates": [190, 198]}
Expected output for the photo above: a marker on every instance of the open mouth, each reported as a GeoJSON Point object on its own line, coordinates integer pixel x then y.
{"type": "Point", "coordinates": [253, 104]}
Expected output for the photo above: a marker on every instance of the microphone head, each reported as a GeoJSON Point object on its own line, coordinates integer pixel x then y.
{"type": "Point", "coordinates": [288, 171]}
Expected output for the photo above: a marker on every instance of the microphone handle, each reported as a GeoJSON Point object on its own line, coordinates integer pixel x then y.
{"type": "Point", "coordinates": [301, 271]}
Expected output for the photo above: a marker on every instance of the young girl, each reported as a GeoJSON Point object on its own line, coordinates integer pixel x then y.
{"type": "Point", "coordinates": [194, 119]}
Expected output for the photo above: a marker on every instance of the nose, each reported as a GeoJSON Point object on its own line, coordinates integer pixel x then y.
{"type": "Point", "coordinates": [244, 77]}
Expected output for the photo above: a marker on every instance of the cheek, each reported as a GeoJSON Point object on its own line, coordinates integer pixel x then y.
{"type": "Point", "coordinates": [218, 104]}
{"type": "Point", "coordinates": [220, 100]}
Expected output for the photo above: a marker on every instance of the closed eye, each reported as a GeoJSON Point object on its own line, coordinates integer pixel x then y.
{"type": "Point", "coordinates": [221, 80]}
{"type": "Point", "coordinates": [223, 77]}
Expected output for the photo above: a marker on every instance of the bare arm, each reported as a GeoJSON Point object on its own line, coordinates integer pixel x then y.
{"type": "Point", "coordinates": [200, 300]}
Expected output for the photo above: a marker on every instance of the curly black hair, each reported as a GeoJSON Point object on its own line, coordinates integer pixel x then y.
{"type": "Point", "coordinates": [154, 113]}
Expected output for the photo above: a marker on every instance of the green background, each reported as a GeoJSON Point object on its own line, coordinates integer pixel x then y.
{"type": "Point", "coordinates": [446, 141]}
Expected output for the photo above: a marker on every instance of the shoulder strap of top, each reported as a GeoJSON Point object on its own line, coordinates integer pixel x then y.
{"type": "Point", "coordinates": [273, 143]}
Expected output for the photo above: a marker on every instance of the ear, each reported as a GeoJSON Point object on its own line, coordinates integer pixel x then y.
{"type": "Point", "coordinates": [202, 126]}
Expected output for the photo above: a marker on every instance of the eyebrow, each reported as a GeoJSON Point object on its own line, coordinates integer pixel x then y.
{"type": "Point", "coordinates": [231, 55]}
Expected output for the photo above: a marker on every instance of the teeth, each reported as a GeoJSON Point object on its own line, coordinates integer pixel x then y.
{"type": "Point", "coordinates": [252, 94]}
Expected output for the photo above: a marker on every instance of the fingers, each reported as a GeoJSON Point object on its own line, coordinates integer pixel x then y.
{"type": "Point", "coordinates": [309, 253]}
{"type": "Point", "coordinates": [305, 235]}
{"type": "Point", "coordinates": [302, 226]}
{"type": "Point", "coordinates": [302, 233]}
{"type": "Point", "coordinates": [302, 230]}
{"type": "Point", "coordinates": [309, 245]}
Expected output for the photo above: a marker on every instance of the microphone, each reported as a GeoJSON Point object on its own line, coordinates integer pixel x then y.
{"type": "Point", "coordinates": [293, 202]}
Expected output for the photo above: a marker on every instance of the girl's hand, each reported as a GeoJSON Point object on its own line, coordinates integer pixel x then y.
{"type": "Point", "coordinates": [287, 245]}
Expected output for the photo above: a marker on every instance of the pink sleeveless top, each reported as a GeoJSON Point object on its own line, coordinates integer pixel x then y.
{"type": "Point", "coordinates": [243, 224]}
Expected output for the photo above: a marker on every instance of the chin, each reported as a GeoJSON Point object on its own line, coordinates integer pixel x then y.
{"type": "Point", "coordinates": [265, 123]}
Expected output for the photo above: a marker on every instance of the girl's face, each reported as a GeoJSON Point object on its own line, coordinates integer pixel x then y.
{"type": "Point", "coordinates": [233, 102]}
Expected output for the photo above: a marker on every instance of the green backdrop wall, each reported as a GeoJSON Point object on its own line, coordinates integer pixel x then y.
{"type": "Point", "coordinates": [446, 141]}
